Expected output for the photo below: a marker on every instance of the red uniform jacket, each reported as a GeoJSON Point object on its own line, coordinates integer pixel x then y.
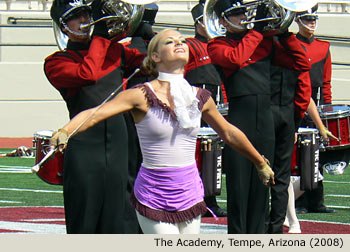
{"type": "Point", "coordinates": [86, 75]}
{"type": "Point", "coordinates": [290, 86]}
{"type": "Point", "coordinates": [321, 71]}
{"type": "Point", "coordinates": [302, 94]}
{"type": "Point", "coordinates": [71, 70]}
{"type": "Point", "coordinates": [235, 53]}
{"type": "Point", "coordinates": [238, 53]}
{"type": "Point", "coordinates": [199, 69]}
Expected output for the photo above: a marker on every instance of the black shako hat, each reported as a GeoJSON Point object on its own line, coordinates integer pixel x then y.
{"type": "Point", "coordinates": [149, 15]}
{"type": "Point", "coordinates": [229, 7]}
{"type": "Point", "coordinates": [62, 10]}
{"type": "Point", "coordinates": [197, 12]}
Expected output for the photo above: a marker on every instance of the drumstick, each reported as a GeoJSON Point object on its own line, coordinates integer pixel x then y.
{"type": "Point", "coordinates": [99, 106]}
{"type": "Point", "coordinates": [36, 167]}
{"type": "Point", "coordinates": [209, 144]}
{"type": "Point", "coordinates": [205, 145]}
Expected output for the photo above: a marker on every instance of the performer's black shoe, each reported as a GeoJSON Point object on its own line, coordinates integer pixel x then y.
{"type": "Point", "coordinates": [301, 210]}
{"type": "Point", "coordinates": [322, 209]}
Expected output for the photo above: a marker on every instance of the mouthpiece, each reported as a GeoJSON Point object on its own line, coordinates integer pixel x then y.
{"type": "Point", "coordinates": [85, 27]}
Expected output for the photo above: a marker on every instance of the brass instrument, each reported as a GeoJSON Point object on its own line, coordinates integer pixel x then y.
{"type": "Point", "coordinates": [120, 16]}
{"type": "Point", "coordinates": [281, 14]}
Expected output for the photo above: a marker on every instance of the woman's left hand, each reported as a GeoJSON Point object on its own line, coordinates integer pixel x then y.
{"type": "Point", "coordinates": [265, 173]}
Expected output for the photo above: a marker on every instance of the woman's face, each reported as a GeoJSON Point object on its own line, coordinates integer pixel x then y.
{"type": "Point", "coordinates": [172, 48]}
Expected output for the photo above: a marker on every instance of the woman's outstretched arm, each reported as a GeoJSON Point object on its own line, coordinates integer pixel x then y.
{"type": "Point", "coordinates": [237, 140]}
{"type": "Point", "coordinates": [127, 100]}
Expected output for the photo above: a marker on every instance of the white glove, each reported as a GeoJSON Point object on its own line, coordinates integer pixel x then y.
{"type": "Point", "coordinates": [265, 173]}
{"type": "Point", "coordinates": [60, 139]}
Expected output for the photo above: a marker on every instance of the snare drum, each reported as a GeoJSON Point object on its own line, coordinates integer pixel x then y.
{"type": "Point", "coordinates": [51, 170]}
{"type": "Point", "coordinates": [223, 109]}
{"type": "Point", "coordinates": [305, 158]}
{"type": "Point", "coordinates": [209, 160]}
{"type": "Point", "coordinates": [336, 119]}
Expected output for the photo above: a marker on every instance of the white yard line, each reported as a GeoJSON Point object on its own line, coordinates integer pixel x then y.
{"type": "Point", "coordinates": [35, 228]}
{"type": "Point", "coordinates": [12, 202]}
{"type": "Point", "coordinates": [340, 207]}
{"type": "Point", "coordinates": [338, 195]}
{"type": "Point", "coordinates": [15, 169]}
{"type": "Point", "coordinates": [29, 190]}
{"type": "Point", "coordinates": [330, 222]}
{"type": "Point", "coordinates": [13, 166]}
{"type": "Point", "coordinates": [336, 182]}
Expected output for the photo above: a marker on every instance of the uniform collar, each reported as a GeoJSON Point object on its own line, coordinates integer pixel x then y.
{"type": "Point", "coordinates": [77, 45]}
{"type": "Point", "coordinates": [305, 40]}
{"type": "Point", "coordinates": [235, 36]}
{"type": "Point", "coordinates": [201, 38]}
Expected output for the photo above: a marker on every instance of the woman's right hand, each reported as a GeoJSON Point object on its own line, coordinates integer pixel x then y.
{"type": "Point", "coordinates": [60, 139]}
{"type": "Point", "coordinates": [265, 173]}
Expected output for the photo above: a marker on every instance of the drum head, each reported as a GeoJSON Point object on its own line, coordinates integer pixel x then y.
{"type": "Point", "coordinates": [302, 130]}
{"type": "Point", "coordinates": [223, 109]}
{"type": "Point", "coordinates": [45, 134]}
{"type": "Point", "coordinates": [206, 131]}
{"type": "Point", "coordinates": [334, 111]}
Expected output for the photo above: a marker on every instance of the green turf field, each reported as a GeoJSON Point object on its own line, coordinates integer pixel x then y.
{"type": "Point", "coordinates": [337, 196]}
{"type": "Point", "coordinates": [25, 189]}
{"type": "Point", "coordinates": [19, 187]}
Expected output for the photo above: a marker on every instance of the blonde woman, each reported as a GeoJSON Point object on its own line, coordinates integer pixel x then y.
{"type": "Point", "coordinates": [168, 192]}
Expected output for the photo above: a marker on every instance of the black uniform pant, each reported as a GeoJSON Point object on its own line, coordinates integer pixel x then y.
{"type": "Point", "coordinates": [95, 179]}
{"type": "Point", "coordinates": [247, 197]}
{"type": "Point", "coordinates": [284, 134]}
{"type": "Point", "coordinates": [134, 163]}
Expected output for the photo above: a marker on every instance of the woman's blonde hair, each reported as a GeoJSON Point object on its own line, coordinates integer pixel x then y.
{"type": "Point", "coordinates": [148, 64]}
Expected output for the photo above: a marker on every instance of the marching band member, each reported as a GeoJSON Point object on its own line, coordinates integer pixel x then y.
{"type": "Point", "coordinates": [320, 75]}
{"type": "Point", "coordinates": [85, 73]}
{"type": "Point", "coordinates": [168, 192]}
{"type": "Point", "coordinates": [294, 192]}
{"type": "Point", "coordinates": [141, 38]}
{"type": "Point", "coordinates": [319, 55]}
{"type": "Point", "coordinates": [290, 98]}
{"type": "Point", "coordinates": [201, 73]}
{"type": "Point", "coordinates": [245, 58]}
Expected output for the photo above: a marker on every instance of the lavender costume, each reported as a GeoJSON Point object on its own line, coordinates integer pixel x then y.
{"type": "Point", "coordinates": [168, 187]}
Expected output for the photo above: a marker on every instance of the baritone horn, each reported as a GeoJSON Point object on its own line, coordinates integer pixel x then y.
{"type": "Point", "coordinates": [121, 16]}
{"type": "Point", "coordinates": [281, 14]}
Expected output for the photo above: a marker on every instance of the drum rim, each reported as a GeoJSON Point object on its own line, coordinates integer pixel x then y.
{"type": "Point", "coordinates": [38, 135]}
{"type": "Point", "coordinates": [336, 114]}
{"type": "Point", "coordinates": [208, 131]}
{"type": "Point", "coordinates": [309, 130]}
{"type": "Point", "coordinates": [333, 147]}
